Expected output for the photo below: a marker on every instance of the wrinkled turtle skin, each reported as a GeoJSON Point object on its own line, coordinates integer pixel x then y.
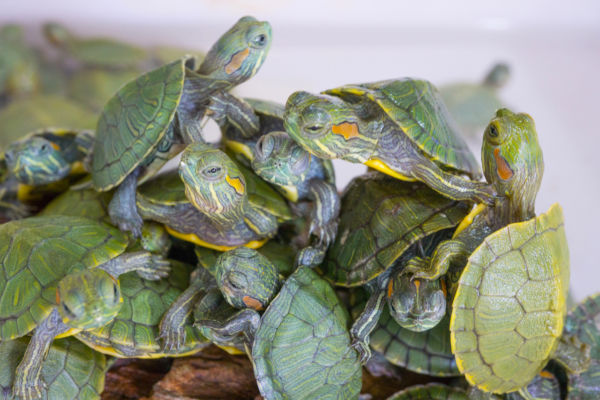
{"type": "Point", "coordinates": [431, 391]}
{"type": "Point", "coordinates": [71, 370]}
{"type": "Point", "coordinates": [245, 211]}
{"type": "Point", "coordinates": [472, 105]}
{"type": "Point", "coordinates": [51, 298]}
{"type": "Point", "coordinates": [399, 127]}
{"type": "Point", "coordinates": [302, 347]}
{"type": "Point", "coordinates": [134, 330]}
{"type": "Point", "coordinates": [148, 121]}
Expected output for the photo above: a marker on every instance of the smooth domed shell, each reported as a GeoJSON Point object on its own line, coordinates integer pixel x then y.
{"type": "Point", "coordinates": [302, 346]}
{"type": "Point", "coordinates": [510, 306]}
{"type": "Point", "coordinates": [70, 371]}
{"type": "Point", "coordinates": [86, 203]}
{"type": "Point", "coordinates": [36, 253]}
{"type": "Point", "coordinates": [135, 328]}
{"type": "Point", "coordinates": [427, 352]}
{"type": "Point", "coordinates": [381, 217]}
{"type": "Point", "coordinates": [418, 109]}
{"type": "Point", "coordinates": [133, 122]}
{"type": "Point", "coordinates": [432, 391]}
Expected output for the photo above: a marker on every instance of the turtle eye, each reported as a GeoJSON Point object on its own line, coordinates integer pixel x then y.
{"type": "Point", "coordinates": [68, 312]}
{"type": "Point", "coordinates": [259, 40]}
{"type": "Point", "coordinates": [44, 148]}
{"type": "Point", "coordinates": [212, 172]}
{"type": "Point", "coordinates": [493, 132]}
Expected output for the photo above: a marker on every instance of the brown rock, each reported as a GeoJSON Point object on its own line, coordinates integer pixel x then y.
{"type": "Point", "coordinates": [132, 379]}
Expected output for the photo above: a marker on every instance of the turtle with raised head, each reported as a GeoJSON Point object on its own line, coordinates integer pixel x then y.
{"type": "Point", "coordinates": [148, 121]}
{"type": "Point", "coordinates": [60, 276]}
{"type": "Point", "coordinates": [400, 127]}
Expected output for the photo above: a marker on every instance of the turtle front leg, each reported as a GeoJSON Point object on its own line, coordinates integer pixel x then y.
{"type": "Point", "coordinates": [27, 384]}
{"type": "Point", "coordinates": [245, 321]}
{"type": "Point", "coordinates": [324, 216]}
{"type": "Point", "coordinates": [572, 354]}
{"type": "Point", "coordinates": [365, 323]}
{"type": "Point", "coordinates": [172, 324]}
{"type": "Point", "coordinates": [122, 207]}
{"type": "Point", "coordinates": [148, 266]}
{"type": "Point", "coordinates": [453, 186]}
{"type": "Point", "coordinates": [224, 108]}
{"type": "Point", "coordinates": [447, 253]}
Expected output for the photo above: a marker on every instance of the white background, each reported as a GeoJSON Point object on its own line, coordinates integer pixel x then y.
{"type": "Point", "coordinates": [553, 48]}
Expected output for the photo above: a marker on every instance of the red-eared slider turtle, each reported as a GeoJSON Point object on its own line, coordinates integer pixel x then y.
{"type": "Point", "coordinates": [431, 391]}
{"type": "Point", "coordinates": [298, 175]}
{"type": "Point", "coordinates": [213, 202]}
{"type": "Point", "coordinates": [472, 105]}
{"type": "Point", "coordinates": [300, 347]}
{"type": "Point", "coordinates": [399, 127]}
{"type": "Point", "coordinates": [49, 155]}
{"type": "Point", "coordinates": [149, 119]}
{"type": "Point", "coordinates": [71, 370]}
{"type": "Point", "coordinates": [19, 74]}
{"type": "Point", "coordinates": [134, 330]}
{"type": "Point", "coordinates": [59, 276]}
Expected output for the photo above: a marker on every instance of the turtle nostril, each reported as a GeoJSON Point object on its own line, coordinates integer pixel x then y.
{"type": "Point", "coordinates": [263, 148]}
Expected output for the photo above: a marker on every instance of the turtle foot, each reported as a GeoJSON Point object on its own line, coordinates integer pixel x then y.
{"type": "Point", "coordinates": [310, 257]}
{"type": "Point", "coordinates": [324, 232]}
{"type": "Point", "coordinates": [152, 267]}
{"type": "Point", "coordinates": [172, 338]}
{"type": "Point", "coordinates": [128, 223]}
{"type": "Point", "coordinates": [363, 350]}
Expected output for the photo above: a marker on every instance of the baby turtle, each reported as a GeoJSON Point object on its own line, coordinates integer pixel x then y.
{"type": "Point", "coordinates": [399, 127]}
{"type": "Point", "coordinates": [148, 120]}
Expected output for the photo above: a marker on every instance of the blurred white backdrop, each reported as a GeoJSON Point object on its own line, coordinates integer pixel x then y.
{"type": "Point", "coordinates": [552, 47]}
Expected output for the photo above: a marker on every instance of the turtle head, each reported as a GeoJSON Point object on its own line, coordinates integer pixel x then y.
{"type": "Point", "coordinates": [512, 160]}
{"type": "Point", "coordinates": [213, 183]}
{"type": "Point", "coordinates": [246, 278]}
{"type": "Point", "coordinates": [88, 299]}
{"type": "Point", "coordinates": [36, 161]}
{"type": "Point", "coordinates": [56, 34]}
{"type": "Point", "coordinates": [326, 126]}
{"type": "Point", "coordinates": [416, 304]}
{"type": "Point", "coordinates": [240, 52]}
{"type": "Point", "coordinates": [279, 160]}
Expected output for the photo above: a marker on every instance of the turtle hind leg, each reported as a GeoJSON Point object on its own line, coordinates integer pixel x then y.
{"type": "Point", "coordinates": [27, 384]}
{"type": "Point", "coordinates": [122, 207]}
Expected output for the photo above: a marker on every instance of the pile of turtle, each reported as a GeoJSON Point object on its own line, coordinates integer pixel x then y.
{"type": "Point", "coordinates": [248, 245]}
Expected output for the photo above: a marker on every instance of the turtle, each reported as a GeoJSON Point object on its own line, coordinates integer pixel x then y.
{"type": "Point", "coordinates": [400, 127]}
{"type": "Point", "coordinates": [430, 391]}
{"type": "Point", "coordinates": [19, 69]}
{"type": "Point", "coordinates": [213, 202]}
{"type": "Point", "coordinates": [93, 87]}
{"type": "Point", "coordinates": [300, 347]}
{"type": "Point", "coordinates": [241, 144]}
{"type": "Point", "coordinates": [149, 119]}
{"type": "Point", "coordinates": [472, 105]}
{"type": "Point", "coordinates": [43, 111]}
{"type": "Point", "coordinates": [71, 370]}
{"type": "Point", "coordinates": [300, 176]}
{"type": "Point", "coordinates": [134, 330]}
{"type": "Point", "coordinates": [59, 276]}
{"type": "Point", "coordinates": [97, 52]}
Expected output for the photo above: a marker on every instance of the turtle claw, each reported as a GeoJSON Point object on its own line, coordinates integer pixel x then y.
{"type": "Point", "coordinates": [153, 267]}
{"type": "Point", "coordinates": [172, 338]}
{"type": "Point", "coordinates": [363, 350]}
{"type": "Point", "coordinates": [487, 195]}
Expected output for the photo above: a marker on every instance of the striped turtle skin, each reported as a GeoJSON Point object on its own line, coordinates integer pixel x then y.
{"type": "Point", "coordinates": [71, 370]}
{"type": "Point", "coordinates": [302, 347]}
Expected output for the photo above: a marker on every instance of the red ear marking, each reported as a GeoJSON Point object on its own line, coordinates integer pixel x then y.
{"type": "Point", "coordinates": [252, 303]}
{"type": "Point", "coordinates": [346, 129]}
{"type": "Point", "coordinates": [502, 167]}
{"type": "Point", "coordinates": [390, 288]}
{"type": "Point", "coordinates": [236, 61]}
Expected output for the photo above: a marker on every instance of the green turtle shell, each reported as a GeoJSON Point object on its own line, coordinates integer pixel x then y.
{"type": "Point", "coordinates": [509, 310]}
{"type": "Point", "coordinates": [134, 331]}
{"type": "Point", "coordinates": [86, 203]}
{"type": "Point", "coordinates": [381, 217]}
{"type": "Point", "coordinates": [419, 111]}
{"type": "Point", "coordinates": [134, 122]}
{"type": "Point", "coordinates": [36, 253]}
{"type": "Point", "coordinates": [583, 322]}
{"type": "Point", "coordinates": [26, 115]}
{"type": "Point", "coordinates": [71, 370]}
{"type": "Point", "coordinates": [431, 391]}
{"type": "Point", "coordinates": [427, 352]}
{"type": "Point", "coordinates": [302, 346]}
